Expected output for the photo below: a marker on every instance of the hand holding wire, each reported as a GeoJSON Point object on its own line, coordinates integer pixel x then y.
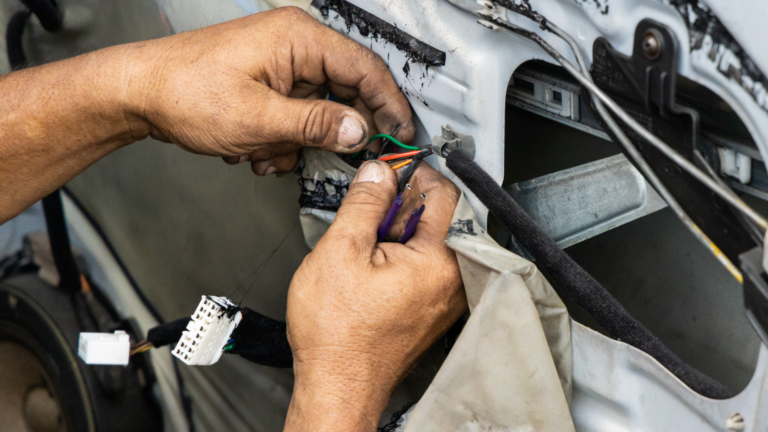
{"type": "Point", "coordinates": [361, 312]}
{"type": "Point", "coordinates": [416, 157]}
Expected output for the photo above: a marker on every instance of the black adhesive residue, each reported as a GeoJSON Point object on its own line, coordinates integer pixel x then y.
{"type": "Point", "coordinates": [319, 197]}
{"type": "Point", "coordinates": [462, 226]}
{"type": "Point", "coordinates": [370, 25]}
{"type": "Point", "coordinates": [701, 22]}
{"type": "Point", "coordinates": [227, 310]}
{"type": "Point", "coordinates": [525, 9]}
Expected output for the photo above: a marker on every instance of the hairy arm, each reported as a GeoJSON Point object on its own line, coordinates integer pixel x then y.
{"type": "Point", "coordinates": [245, 90]}
{"type": "Point", "coordinates": [58, 119]}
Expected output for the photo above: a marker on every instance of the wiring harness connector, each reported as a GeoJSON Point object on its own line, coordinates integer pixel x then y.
{"type": "Point", "coordinates": [104, 348]}
{"type": "Point", "coordinates": [208, 331]}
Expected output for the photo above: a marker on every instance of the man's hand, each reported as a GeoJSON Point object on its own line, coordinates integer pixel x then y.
{"type": "Point", "coordinates": [360, 313]}
{"type": "Point", "coordinates": [240, 90]}
{"type": "Point", "coordinates": [245, 90]}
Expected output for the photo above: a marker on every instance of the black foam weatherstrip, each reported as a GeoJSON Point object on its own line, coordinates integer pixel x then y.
{"type": "Point", "coordinates": [573, 282]}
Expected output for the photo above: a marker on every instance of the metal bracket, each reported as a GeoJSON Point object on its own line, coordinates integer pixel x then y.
{"type": "Point", "coordinates": [644, 84]}
{"type": "Point", "coordinates": [451, 140]}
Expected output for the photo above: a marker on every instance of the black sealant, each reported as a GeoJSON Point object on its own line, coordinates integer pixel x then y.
{"type": "Point", "coordinates": [370, 25]}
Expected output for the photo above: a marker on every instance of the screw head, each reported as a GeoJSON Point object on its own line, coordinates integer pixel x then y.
{"type": "Point", "coordinates": [652, 44]}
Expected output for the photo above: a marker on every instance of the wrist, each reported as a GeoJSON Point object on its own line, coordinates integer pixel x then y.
{"type": "Point", "coordinates": [321, 406]}
{"type": "Point", "coordinates": [337, 395]}
{"type": "Point", "coordinates": [129, 75]}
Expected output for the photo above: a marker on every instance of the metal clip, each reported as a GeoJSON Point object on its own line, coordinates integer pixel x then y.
{"type": "Point", "coordinates": [451, 140]}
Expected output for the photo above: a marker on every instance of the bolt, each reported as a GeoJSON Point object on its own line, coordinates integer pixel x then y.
{"type": "Point", "coordinates": [652, 44]}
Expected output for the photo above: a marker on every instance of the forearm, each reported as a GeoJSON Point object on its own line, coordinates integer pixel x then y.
{"type": "Point", "coordinates": [58, 119]}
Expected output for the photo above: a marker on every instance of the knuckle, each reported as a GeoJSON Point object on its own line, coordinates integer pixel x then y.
{"type": "Point", "coordinates": [364, 194]}
{"type": "Point", "coordinates": [315, 124]}
{"type": "Point", "coordinates": [292, 12]}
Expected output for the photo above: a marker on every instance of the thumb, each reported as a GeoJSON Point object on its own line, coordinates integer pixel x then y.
{"type": "Point", "coordinates": [364, 207]}
{"type": "Point", "coordinates": [316, 123]}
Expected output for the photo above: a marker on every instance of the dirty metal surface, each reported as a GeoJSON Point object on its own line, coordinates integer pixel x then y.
{"type": "Point", "coordinates": [579, 203]}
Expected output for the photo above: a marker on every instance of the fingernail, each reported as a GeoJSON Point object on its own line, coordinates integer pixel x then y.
{"type": "Point", "coordinates": [270, 170]}
{"type": "Point", "coordinates": [261, 168]}
{"type": "Point", "coordinates": [370, 172]}
{"type": "Point", "coordinates": [242, 159]}
{"type": "Point", "coordinates": [351, 132]}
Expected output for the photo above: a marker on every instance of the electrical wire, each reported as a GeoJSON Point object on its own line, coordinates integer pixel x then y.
{"type": "Point", "coordinates": [385, 141]}
{"type": "Point", "coordinates": [599, 97]}
{"type": "Point", "coordinates": [402, 164]}
{"type": "Point", "coordinates": [399, 156]}
{"type": "Point", "coordinates": [264, 264]}
{"type": "Point", "coordinates": [389, 137]}
{"type": "Point", "coordinates": [141, 347]}
{"type": "Point", "coordinates": [643, 164]}
{"type": "Point", "coordinates": [668, 151]}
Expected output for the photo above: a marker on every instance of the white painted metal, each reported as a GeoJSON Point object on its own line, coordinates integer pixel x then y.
{"type": "Point", "coordinates": [619, 388]}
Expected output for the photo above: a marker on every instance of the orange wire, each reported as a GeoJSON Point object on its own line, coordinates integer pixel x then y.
{"type": "Point", "coordinates": [402, 164]}
{"type": "Point", "coordinates": [84, 283]}
{"type": "Point", "coordinates": [399, 155]}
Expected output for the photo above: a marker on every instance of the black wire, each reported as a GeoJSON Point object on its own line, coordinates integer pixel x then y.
{"type": "Point", "coordinates": [69, 273]}
{"type": "Point", "coordinates": [14, 36]}
{"type": "Point", "coordinates": [48, 12]}
{"type": "Point", "coordinates": [385, 141]}
{"type": "Point", "coordinates": [407, 172]}
{"type": "Point", "coordinates": [263, 266]}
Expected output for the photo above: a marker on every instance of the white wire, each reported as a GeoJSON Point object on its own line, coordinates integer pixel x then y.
{"type": "Point", "coordinates": [641, 162]}
{"type": "Point", "coordinates": [684, 163]}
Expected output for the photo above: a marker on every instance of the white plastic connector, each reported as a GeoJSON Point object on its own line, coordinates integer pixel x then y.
{"type": "Point", "coordinates": [735, 165]}
{"type": "Point", "coordinates": [207, 333]}
{"type": "Point", "coordinates": [105, 348]}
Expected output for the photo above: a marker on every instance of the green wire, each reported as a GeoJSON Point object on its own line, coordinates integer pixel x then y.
{"type": "Point", "coordinates": [391, 138]}
{"type": "Point", "coordinates": [405, 146]}
{"type": "Point", "coordinates": [228, 347]}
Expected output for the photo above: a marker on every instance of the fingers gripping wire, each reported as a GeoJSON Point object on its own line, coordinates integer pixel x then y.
{"type": "Point", "coordinates": [385, 141]}
{"type": "Point", "coordinates": [600, 100]}
{"type": "Point", "coordinates": [405, 188]}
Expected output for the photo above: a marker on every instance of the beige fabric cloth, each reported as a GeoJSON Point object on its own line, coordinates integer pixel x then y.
{"type": "Point", "coordinates": [511, 367]}
{"type": "Point", "coordinates": [319, 166]}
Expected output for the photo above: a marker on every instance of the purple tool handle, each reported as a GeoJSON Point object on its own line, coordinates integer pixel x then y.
{"type": "Point", "coordinates": [390, 218]}
{"type": "Point", "coordinates": [410, 227]}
